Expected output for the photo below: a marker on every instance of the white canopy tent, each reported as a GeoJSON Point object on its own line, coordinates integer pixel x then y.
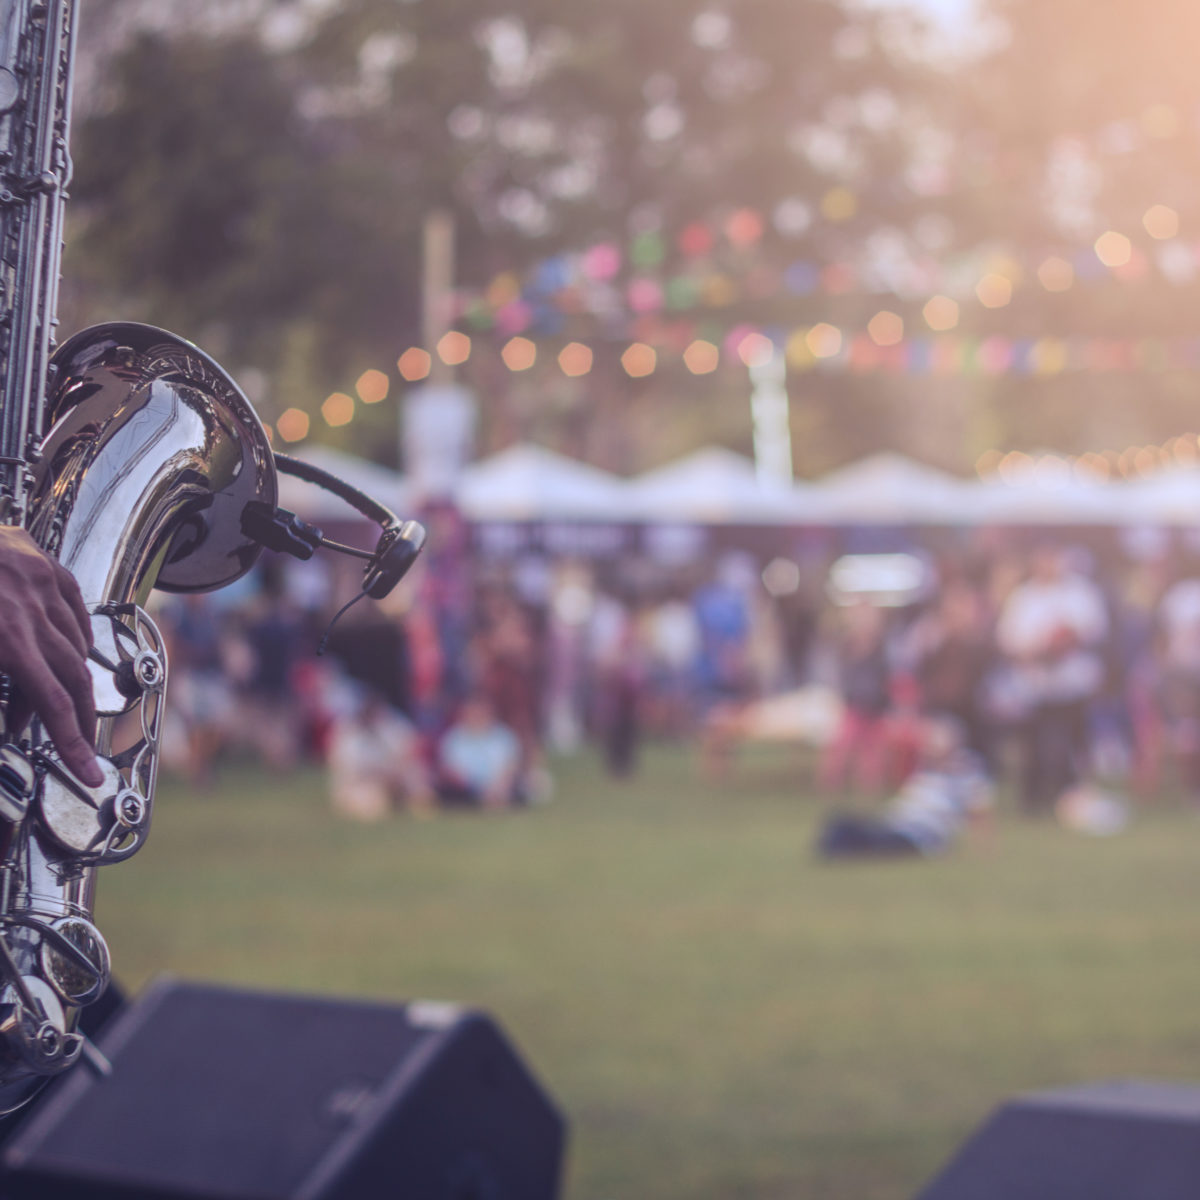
{"type": "Point", "coordinates": [715, 486]}
{"type": "Point", "coordinates": [528, 483]}
{"type": "Point", "coordinates": [890, 489]}
{"type": "Point", "coordinates": [1053, 501]}
{"type": "Point", "coordinates": [1169, 497]}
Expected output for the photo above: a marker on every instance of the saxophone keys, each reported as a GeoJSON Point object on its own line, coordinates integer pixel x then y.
{"type": "Point", "coordinates": [37, 1035]}
{"type": "Point", "coordinates": [113, 662]}
{"type": "Point", "coordinates": [100, 824]}
{"type": "Point", "coordinates": [149, 671]}
{"type": "Point", "coordinates": [75, 960]}
{"type": "Point", "coordinates": [17, 784]}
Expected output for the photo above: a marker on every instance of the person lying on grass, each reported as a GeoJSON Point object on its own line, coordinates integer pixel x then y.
{"type": "Point", "coordinates": [947, 794]}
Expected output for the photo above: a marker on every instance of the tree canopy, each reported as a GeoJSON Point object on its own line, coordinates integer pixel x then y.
{"type": "Point", "coordinates": [257, 176]}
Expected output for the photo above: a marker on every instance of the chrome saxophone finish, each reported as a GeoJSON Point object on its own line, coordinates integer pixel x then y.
{"type": "Point", "coordinates": [153, 452]}
{"type": "Point", "coordinates": [37, 45]}
{"type": "Point", "coordinates": [150, 460]}
{"type": "Point", "coordinates": [129, 456]}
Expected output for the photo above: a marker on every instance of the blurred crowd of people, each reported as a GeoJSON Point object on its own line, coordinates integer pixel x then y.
{"type": "Point", "coordinates": [1056, 663]}
{"type": "Point", "coordinates": [1057, 667]}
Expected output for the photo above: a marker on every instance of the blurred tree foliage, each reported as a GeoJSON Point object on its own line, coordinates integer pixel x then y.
{"type": "Point", "coordinates": [258, 178]}
{"type": "Point", "coordinates": [255, 173]}
{"type": "Point", "coordinates": [1082, 119]}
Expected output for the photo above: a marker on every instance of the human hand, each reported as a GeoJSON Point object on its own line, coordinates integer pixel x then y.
{"type": "Point", "coordinates": [45, 633]}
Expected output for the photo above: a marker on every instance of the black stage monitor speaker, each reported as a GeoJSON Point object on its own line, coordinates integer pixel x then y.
{"type": "Point", "coordinates": [219, 1094]}
{"type": "Point", "coordinates": [1126, 1140]}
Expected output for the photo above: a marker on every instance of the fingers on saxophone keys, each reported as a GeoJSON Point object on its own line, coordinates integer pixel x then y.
{"type": "Point", "coordinates": [43, 589]}
{"type": "Point", "coordinates": [65, 606]}
{"type": "Point", "coordinates": [59, 687]}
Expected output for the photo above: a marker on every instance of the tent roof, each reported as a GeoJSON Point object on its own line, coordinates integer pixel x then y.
{"type": "Point", "coordinates": [889, 488]}
{"type": "Point", "coordinates": [1046, 503]}
{"type": "Point", "coordinates": [714, 485]}
{"type": "Point", "coordinates": [1169, 497]}
{"type": "Point", "coordinates": [528, 482]}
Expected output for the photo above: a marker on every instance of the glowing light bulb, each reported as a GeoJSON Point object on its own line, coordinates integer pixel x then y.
{"type": "Point", "coordinates": [701, 357]}
{"type": "Point", "coordinates": [454, 348]}
{"type": "Point", "coordinates": [994, 291]}
{"type": "Point", "coordinates": [824, 340]}
{"type": "Point", "coordinates": [1113, 249]}
{"type": "Point", "coordinates": [372, 386]}
{"type": "Point", "coordinates": [292, 425]}
{"type": "Point", "coordinates": [941, 313]}
{"type": "Point", "coordinates": [519, 354]}
{"type": "Point", "coordinates": [575, 359]}
{"type": "Point", "coordinates": [1161, 222]}
{"type": "Point", "coordinates": [639, 360]}
{"type": "Point", "coordinates": [886, 328]}
{"type": "Point", "coordinates": [414, 364]}
{"type": "Point", "coordinates": [338, 409]}
{"type": "Point", "coordinates": [756, 349]}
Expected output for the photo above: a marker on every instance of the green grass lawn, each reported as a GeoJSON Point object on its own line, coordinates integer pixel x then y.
{"type": "Point", "coordinates": [719, 1015]}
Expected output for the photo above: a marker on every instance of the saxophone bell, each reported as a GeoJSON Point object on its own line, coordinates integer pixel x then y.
{"type": "Point", "coordinates": [151, 457]}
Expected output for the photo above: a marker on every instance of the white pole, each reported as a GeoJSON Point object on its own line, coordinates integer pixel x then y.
{"type": "Point", "coordinates": [769, 412]}
{"type": "Point", "coordinates": [438, 417]}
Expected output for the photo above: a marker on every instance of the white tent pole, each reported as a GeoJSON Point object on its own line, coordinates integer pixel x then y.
{"type": "Point", "coordinates": [769, 413]}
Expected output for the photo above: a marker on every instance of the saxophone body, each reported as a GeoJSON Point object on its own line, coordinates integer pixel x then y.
{"type": "Point", "coordinates": [130, 456]}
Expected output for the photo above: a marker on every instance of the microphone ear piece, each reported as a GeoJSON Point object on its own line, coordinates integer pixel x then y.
{"type": "Point", "coordinates": [394, 555]}
{"type": "Point", "coordinates": [396, 551]}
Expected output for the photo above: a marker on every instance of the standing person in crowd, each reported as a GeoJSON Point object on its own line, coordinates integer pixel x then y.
{"type": "Point", "coordinates": [723, 671]}
{"type": "Point", "coordinates": [200, 687]}
{"type": "Point", "coordinates": [508, 671]}
{"type": "Point", "coordinates": [948, 651]}
{"type": "Point", "coordinates": [274, 633]}
{"type": "Point", "coordinates": [673, 642]}
{"type": "Point", "coordinates": [1050, 631]}
{"type": "Point", "coordinates": [723, 620]}
{"type": "Point", "coordinates": [623, 685]}
{"type": "Point", "coordinates": [371, 645]}
{"type": "Point", "coordinates": [1138, 645]}
{"type": "Point", "coordinates": [859, 750]}
{"type": "Point", "coordinates": [1179, 677]}
{"type": "Point", "coordinates": [617, 674]}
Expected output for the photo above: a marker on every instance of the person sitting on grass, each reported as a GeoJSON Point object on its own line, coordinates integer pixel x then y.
{"type": "Point", "coordinates": [375, 764]}
{"type": "Point", "coordinates": [479, 758]}
{"type": "Point", "coordinates": [948, 793]}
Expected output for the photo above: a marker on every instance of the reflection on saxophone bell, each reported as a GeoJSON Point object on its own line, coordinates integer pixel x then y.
{"type": "Point", "coordinates": [151, 457]}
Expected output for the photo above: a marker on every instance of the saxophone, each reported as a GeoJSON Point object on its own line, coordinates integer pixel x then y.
{"type": "Point", "coordinates": [132, 458]}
